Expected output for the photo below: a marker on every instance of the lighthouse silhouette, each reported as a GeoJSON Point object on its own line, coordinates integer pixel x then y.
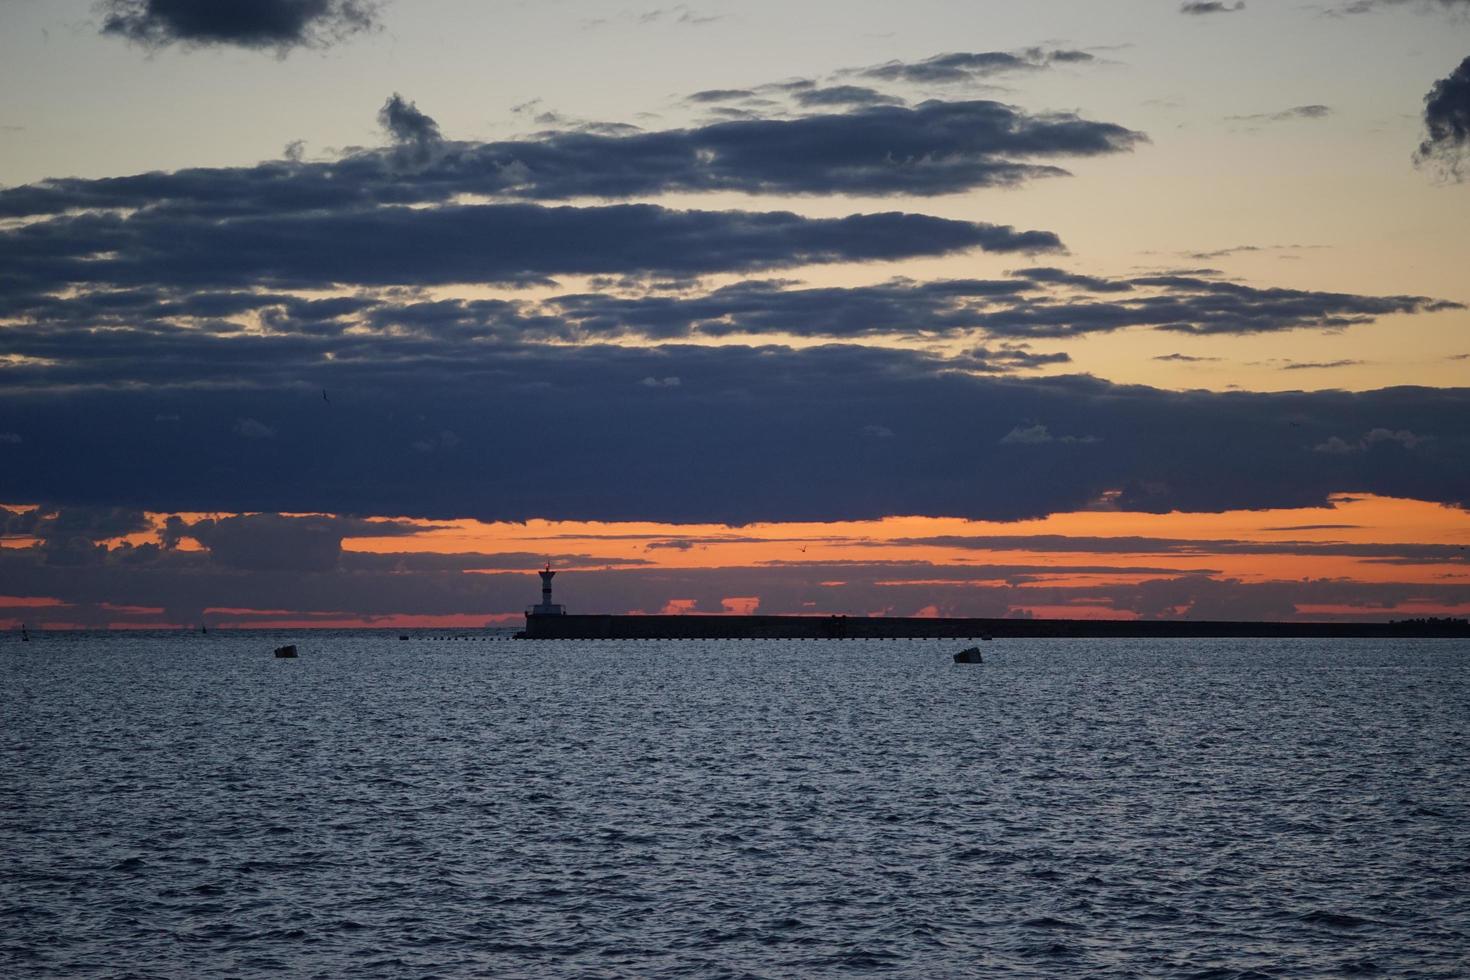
{"type": "Point", "coordinates": [547, 607]}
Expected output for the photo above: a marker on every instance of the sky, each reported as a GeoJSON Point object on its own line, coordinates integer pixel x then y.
{"type": "Point", "coordinates": [345, 313]}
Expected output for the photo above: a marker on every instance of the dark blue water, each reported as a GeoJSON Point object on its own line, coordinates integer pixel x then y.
{"type": "Point", "coordinates": [186, 806]}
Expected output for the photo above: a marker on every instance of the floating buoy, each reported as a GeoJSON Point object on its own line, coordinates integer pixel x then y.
{"type": "Point", "coordinates": [970, 656]}
{"type": "Point", "coordinates": [289, 650]}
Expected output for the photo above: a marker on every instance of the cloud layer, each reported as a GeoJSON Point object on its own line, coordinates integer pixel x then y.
{"type": "Point", "coordinates": [1035, 303]}
{"type": "Point", "coordinates": [491, 243]}
{"type": "Point", "coordinates": [747, 434]}
{"type": "Point", "coordinates": [279, 338]}
{"type": "Point", "coordinates": [929, 149]}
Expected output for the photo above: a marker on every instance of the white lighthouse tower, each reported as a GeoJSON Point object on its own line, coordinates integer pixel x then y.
{"type": "Point", "coordinates": [547, 607]}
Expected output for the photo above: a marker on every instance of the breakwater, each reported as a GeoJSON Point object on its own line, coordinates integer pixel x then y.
{"type": "Point", "coordinates": [563, 627]}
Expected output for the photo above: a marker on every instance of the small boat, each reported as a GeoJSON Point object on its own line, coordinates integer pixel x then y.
{"type": "Point", "coordinates": [289, 650]}
{"type": "Point", "coordinates": [970, 656]}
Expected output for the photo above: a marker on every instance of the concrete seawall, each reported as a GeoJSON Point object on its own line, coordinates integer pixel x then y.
{"type": "Point", "coordinates": [882, 627]}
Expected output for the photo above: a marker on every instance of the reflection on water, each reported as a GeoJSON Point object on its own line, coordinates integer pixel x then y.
{"type": "Point", "coordinates": [184, 805]}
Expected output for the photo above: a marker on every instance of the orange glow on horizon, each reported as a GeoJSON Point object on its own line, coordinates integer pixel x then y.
{"type": "Point", "coordinates": [1415, 544]}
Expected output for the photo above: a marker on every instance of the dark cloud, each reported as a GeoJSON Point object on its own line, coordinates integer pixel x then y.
{"type": "Point", "coordinates": [263, 543]}
{"type": "Point", "coordinates": [1198, 7]}
{"type": "Point", "coordinates": [1010, 357]}
{"type": "Point", "coordinates": [839, 95]}
{"type": "Point", "coordinates": [1013, 307]}
{"type": "Point", "coordinates": [463, 243]}
{"type": "Point", "coordinates": [272, 542]}
{"type": "Point", "coordinates": [279, 24]}
{"type": "Point", "coordinates": [1245, 249]}
{"type": "Point", "coordinates": [1447, 123]}
{"type": "Point", "coordinates": [1319, 365]}
{"type": "Point", "coordinates": [90, 524]}
{"type": "Point", "coordinates": [720, 95]}
{"type": "Point", "coordinates": [1189, 304]}
{"type": "Point", "coordinates": [764, 306]}
{"type": "Point", "coordinates": [929, 149]}
{"type": "Point", "coordinates": [749, 434]}
{"type": "Point", "coordinates": [415, 134]}
{"type": "Point", "coordinates": [71, 536]}
{"type": "Point", "coordinates": [961, 66]}
{"type": "Point", "coordinates": [1315, 527]}
{"type": "Point", "coordinates": [162, 335]}
{"type": "Point", "coordinates": [677, 14]}
{"type": "Point", "coordinates": [1060, 277]}
{"type": "Point", "coordinates": [1284, 115]}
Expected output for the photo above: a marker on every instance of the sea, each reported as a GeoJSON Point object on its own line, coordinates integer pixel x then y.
{"type": "Point", "coordinates": [178, 805]}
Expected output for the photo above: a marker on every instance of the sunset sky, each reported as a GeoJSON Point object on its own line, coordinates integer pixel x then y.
{"type": "Point", "coordinates": [339, 313]}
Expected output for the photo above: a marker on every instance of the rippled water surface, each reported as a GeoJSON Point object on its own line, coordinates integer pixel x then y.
{"type": "Point", "coordinates": [188, 806]}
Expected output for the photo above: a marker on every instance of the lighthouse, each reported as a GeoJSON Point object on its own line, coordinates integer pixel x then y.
{"type": "Point", "coordinates": [547, 607]}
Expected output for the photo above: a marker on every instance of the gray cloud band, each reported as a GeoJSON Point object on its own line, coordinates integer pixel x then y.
{"type": "Point", "coordinates": [746, 434]}
{"type": "Point", "coordinates": [937, 147]}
